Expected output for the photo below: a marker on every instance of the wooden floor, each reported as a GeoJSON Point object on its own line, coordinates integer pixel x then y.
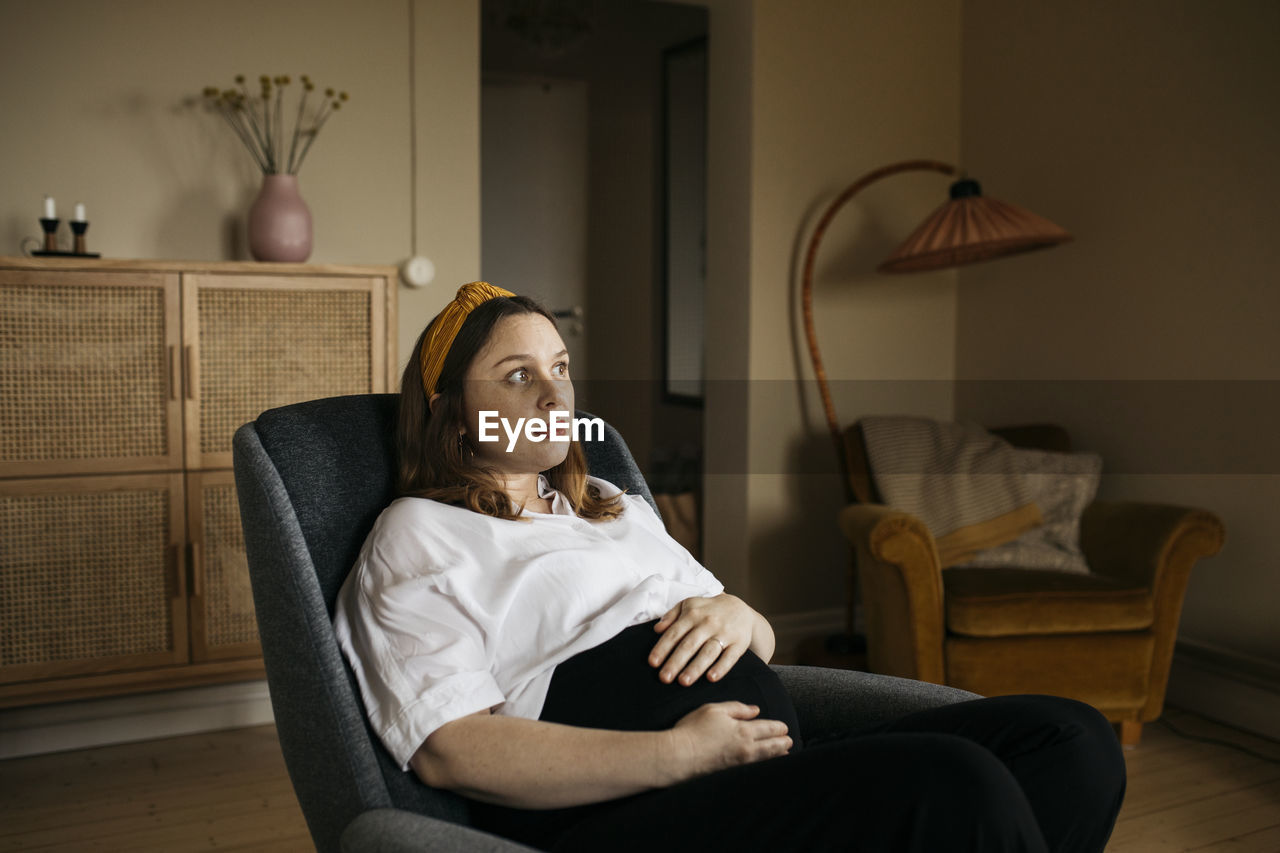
{"type": "Point", "coordinates": [229, 791]}
{"type": "Point", "coordinates": [1184, 795]}
{"type": "Point", "coordinates": [216, 791]}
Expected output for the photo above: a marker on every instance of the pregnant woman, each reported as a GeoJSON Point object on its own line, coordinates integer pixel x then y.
{"type": "Point", "coordinates": [531, 638]}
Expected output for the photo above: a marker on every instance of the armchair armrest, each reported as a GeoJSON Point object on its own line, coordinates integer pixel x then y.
{"type": "Point", "coordinates": [1141, 542]}
{"type": "Point", "coordinates": [1153, 546]}
{"type": "Point", "coordinates": [399, 831]}
{"type": "Point", "coordinates": [901, 585]}
{"type": "Point", "coordinates": [834, 702]}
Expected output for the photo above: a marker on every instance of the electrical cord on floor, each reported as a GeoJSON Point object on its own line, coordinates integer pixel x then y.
{"type": "Point", "coordinates": [1217, 742]}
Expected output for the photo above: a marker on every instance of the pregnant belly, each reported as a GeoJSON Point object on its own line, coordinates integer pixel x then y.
{"type": "Point", "coordinates": [612, 686]}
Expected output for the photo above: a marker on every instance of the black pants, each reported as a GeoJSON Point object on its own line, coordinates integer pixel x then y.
{"type": "Point", "coordinates": [1010, 773]}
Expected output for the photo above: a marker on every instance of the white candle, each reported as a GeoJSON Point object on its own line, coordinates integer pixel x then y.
{"type": "Point", "coordinates": [80, 212]}
{"type": "Point", "coordinates": [50, 212]}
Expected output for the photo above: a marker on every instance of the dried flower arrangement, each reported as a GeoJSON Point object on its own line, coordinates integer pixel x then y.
{"type": "Point", "coordinates": [259, 121]}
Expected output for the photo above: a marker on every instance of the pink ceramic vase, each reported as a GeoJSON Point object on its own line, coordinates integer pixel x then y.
{"type": "Point", "coordinates": [280, 221]}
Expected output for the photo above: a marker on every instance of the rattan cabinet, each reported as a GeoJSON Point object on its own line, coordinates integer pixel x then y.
{"type": "Point", "coordinates": [122, 565]}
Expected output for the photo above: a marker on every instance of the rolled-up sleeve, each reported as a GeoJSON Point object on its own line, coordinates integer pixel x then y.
{"type": "Point", "coordinates": [419, 659]}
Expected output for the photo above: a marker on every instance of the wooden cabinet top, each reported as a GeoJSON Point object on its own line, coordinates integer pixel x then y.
{"type": "Point", "coordinates": [226, 267]}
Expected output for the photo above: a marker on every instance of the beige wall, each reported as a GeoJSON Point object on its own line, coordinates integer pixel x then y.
{"type": "Point", "coordinates": [98, 99]}
{"type": "Point", "coordinates": [1149, 129]}
{"type": "Point", "coordinates": [807, 96]}
{"type": "Point", "coordinates": [447, 89]}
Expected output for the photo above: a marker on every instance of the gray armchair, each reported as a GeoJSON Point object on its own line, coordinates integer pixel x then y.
{"type": "Point", "coordinates": [311, 480]}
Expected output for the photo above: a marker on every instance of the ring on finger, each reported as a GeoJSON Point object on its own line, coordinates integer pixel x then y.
{"type": "Point", "coordinates": [720, 641]}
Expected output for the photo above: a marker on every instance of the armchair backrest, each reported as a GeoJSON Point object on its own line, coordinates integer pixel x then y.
{"type": "Point", "coordinates": [1032, 436]}
{"type": "Point", "coordinates": [311, 480]}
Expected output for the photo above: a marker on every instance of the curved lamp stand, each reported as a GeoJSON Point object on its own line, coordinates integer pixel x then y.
{"type": "Point", "coordinates": [967, 228]}
{"type": "Point", "coordinates": [806, 289]}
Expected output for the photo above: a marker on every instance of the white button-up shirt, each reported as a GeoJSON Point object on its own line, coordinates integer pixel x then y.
{"type": "Point", "coordinates": [448, 612]}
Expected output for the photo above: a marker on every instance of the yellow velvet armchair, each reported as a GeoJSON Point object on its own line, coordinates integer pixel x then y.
{"type": "Point", "coordinates": [1105, 638]}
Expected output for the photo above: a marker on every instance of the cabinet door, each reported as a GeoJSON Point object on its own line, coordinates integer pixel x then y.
{"type": "Point", "coordinates": [87, 380]}
{"type": "Point", "coordinates": [253, 343]}
{"type": "Point", "coordinates": [222, 616]}
{"type": "Point", "coordinates": [89, 579]}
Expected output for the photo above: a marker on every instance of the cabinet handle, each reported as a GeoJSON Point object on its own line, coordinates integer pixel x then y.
{"type": "Point", "coordinates": [173, 565]}
{"type": "Point", "coordinates": [188, 356]}
{"type": "Point", "coordinates": [193, 560]}
{"type": "Point", "coordinates": [170, 378]}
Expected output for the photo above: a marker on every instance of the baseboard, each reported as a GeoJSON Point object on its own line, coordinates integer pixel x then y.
{"type": "Point", "coordinates": [1226, 686]}
{"type": "Point", "coordinates": [99, 722]}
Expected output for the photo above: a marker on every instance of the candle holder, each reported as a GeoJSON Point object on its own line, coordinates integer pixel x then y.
{"type": "Point", "coordinates": [50, 227]}
{"type": "Point", "coordinates": [51, 250]}
{"type": "Point", "coordinates": [78, 227]}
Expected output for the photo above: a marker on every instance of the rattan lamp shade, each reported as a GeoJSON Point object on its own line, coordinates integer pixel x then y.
{"type": "Point", "coordinates": [970, 227]}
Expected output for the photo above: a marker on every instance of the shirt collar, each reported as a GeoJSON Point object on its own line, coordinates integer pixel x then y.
{"type": "Point", "coordinates": [559, 503]}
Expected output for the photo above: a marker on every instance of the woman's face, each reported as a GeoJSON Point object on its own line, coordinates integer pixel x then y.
{"type": "Point", "coordinates": [522, 372]}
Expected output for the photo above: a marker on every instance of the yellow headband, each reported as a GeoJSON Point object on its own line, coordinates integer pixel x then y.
{"type": "Point", "coordinates": [444, 328]}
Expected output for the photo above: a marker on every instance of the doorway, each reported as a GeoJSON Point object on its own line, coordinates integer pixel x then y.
{"type": "Point", "coordinates": [611, 51]}
{"type": "Point", "coordinates": [533, 199]}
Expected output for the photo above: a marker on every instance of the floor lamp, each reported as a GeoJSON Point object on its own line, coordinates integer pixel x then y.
{"type": "Point", "coordinates": [968, 227]}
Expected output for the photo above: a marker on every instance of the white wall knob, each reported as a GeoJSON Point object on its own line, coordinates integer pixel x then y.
{"type": "Point", "coordinates": [418, 271]}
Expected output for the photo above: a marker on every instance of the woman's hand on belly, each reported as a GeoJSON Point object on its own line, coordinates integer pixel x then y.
{"type": "Point", "coordinates": [726, 734]}
{"type": "Point", "coordinates": [708, 635]}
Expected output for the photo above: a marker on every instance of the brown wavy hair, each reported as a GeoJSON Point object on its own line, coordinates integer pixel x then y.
{"type": "Point", "coordinates": [434, 461]}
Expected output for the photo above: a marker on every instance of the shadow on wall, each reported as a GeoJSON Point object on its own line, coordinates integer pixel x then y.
{"type": "Point", "coordinates": [201, 180]}
{"type": "Point", "coordinates": [195, 213]}
{"type": "Point", "coordinates": [815, 578]}
{"type": "Point", "coordinates": [1145, 426]}
{"type": "Point", "coordinates": [217, 182]}
{"type": "Point", "coordinates": [21, 229]}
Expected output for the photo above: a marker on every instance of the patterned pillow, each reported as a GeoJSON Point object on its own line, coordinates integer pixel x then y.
{"type": "Point", "coordinates": [1062, 485]}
